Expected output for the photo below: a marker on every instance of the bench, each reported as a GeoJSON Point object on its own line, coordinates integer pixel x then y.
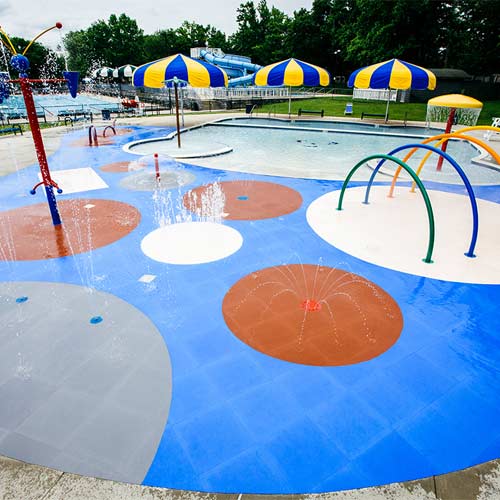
{"type": "Point", "coordinates": [71, 116]}
{"type": "Point", "coordinates": [311, 112]}
{"type": "Point", "coordinates": [377, 115]}
{"type": "Point", "coordinates": [10, 129]}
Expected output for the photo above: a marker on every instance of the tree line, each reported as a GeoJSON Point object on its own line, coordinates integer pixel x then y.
{"type": "Point", "coordinates": [340, 35]}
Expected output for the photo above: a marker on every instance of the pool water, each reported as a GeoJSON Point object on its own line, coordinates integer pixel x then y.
{"type": "Point", "coordinates": [336, 125]}
{"type": "Point", "coordinates": [55, 104]}
{"type": "Point", "coordinates": [311, 154]}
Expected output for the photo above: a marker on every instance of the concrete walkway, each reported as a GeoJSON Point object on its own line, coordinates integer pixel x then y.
{"type": "Point", "coordinates": [17, 151]}
{"type": "Point", "coordinates": [21, 481]}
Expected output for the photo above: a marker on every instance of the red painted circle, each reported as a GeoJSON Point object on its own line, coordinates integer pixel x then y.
{"type": "Point", "coordinates": [117, 166]}
{"type": "Point", "coordinates": [312, 315]}
{"type": "Point", "coordinates": [101, 141]}
{"type": "Point", "coordinates": [246, 200]}
{"type": "Point", "coordinates": [27, 233]}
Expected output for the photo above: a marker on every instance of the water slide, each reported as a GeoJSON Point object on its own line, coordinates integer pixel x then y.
{"type": "Point", "coordinates": [234, 66]}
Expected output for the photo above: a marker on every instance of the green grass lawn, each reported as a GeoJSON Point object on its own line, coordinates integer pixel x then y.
{"type": "Point", "coordinates": [335, 106]}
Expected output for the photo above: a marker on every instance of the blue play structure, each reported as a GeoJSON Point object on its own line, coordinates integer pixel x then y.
{"type": "Point", "coordinates": [235, 66]}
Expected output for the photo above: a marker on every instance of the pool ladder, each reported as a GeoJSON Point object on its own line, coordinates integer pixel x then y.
{"type": "Point", "coordinates": [272, 111]}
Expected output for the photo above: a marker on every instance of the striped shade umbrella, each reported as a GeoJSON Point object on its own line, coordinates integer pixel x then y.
{"type": "Point", "coordinates": [293, 73]}
{"type": "Point", "coordinates": [124, 71]}
{"type": "Point", "coordinates": [393, 74]}
{"type": "Point", "coordinates": [161, 73]}
{"type": "Point", "coordinates": [103, 72]}
{"type": "Point", "coordinates": [178, 70]}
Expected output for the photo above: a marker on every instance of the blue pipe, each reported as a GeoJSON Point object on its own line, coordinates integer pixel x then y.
{"type": "Point", "coordinates": [470, 191]}
{"type": "Point", "coordinates": [233, 64]}
{"type": "Point", "coordinates": [242, 80]}
{"type": "Point", "coordinates": [229, 62]}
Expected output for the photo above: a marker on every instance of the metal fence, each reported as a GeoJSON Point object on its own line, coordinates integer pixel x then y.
{"type": "Point", "coordinates": [381, 95]}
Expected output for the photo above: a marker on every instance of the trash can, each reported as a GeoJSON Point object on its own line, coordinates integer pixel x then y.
{"type": "Point", "coordinates": [106, 114]}
{"type": "Point", "coordinates": [248, 108]}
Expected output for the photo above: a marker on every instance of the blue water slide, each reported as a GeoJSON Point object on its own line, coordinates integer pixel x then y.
{"type": "Point", "coordinates": [234, 65]}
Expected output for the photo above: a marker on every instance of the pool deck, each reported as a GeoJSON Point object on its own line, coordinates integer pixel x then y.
{"type": "Point", "coordinates": [20, 480]}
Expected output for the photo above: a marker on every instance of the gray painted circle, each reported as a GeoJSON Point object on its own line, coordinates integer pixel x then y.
{"type": "Point", "coordinates": [91, 399]}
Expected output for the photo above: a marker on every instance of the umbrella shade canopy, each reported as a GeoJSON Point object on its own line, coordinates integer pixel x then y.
{"type": "Point", "coordinates": [393, 74]}
{"type": "Point", "coordinates": [104, 72]}
{"type": "Point", "coordinates": [292, 72]}
{"type": "Point", "coordinates": [124, 71]}
{"type": "Point", "coordinates": [158, 74]}
{"type": "Point", "coordinates": [455, 101]}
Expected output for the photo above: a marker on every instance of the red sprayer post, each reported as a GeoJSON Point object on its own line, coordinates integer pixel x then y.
{"type": "Point", "coordinates": [449, 124]}
{"type": "Point", "coordinates": [40, 150]}
{"type": "Point", "coordinates": [157, 167]}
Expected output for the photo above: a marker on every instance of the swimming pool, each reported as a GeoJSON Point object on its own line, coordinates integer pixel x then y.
{"type": "Point", "coordinates": [55, 104]}
{"type": "Point", "coordinates": [350, 126]}
{"type": "Point", "coordinates": [296, 149]}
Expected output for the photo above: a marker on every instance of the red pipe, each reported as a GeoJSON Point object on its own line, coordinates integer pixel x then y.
{"type": "Point", "coordinates": [449, 124]}
{"type": "Point", "coordinates": [157, 167]}
{"type": "Point", "coordinates": [40, 149]}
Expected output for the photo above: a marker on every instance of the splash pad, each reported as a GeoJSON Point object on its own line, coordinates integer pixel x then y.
{"type": "Point", "coordinates": [248, 297]}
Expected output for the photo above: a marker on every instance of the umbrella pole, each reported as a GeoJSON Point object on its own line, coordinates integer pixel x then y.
{"type": "Point", "coordinates": [289, 102]}
{"type": "Point", "coordinates": [387, 107]}
{"type": "Point", "coordinates": [182, 105]}
{"type": "Point", "coordinates": [177, 115]}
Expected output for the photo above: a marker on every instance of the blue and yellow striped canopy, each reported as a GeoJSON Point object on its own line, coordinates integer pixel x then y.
{"type": "Point", "coordinates": [393, 74]}
{"type": "Point", "coordinates": [292, 72]}
{"type": "Point", "coordinates": [158, 74]}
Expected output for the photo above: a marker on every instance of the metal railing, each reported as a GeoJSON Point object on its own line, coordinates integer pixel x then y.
{"type": "Point", "coordinates": [380, 95]}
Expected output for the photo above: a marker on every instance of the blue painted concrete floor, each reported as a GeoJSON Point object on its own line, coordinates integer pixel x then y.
{"type": "Point", "coordinates": [243, 421]}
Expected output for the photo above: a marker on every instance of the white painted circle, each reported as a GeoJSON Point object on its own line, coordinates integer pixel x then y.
{"type": "Point", "coordinates": [394, 232]}
{"type": "Point", "coordinates": [191, 243]}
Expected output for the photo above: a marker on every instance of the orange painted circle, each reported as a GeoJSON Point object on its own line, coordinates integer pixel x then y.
{"type": "Point", "coordinates": [312, 315]}
{"type": "Point", "coordinates": [27, 233]}
{"type": "Point", "coordinates": [246, 200]}
{"type": "Point", "coordinates": [117, 167]}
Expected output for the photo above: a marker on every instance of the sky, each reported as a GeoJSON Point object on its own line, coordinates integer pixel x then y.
{"type": "Point", "coordinates": [27, 18]}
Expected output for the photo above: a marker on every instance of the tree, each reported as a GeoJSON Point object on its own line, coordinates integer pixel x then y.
{"type": "Point", "coordinates": [274, 26]}
{"type": "Point", "coordinates": [248, 35]}
{"type": "Point", "coordinates": [78, 48]}
{"type": "Point", "coordinates": [476, 48]}
{"type": "Point", "coordinates": [262, 33]}
{"type": "Point", "coordinates": [369, 31]}
{"type": "Point", "coordinates": [160, 44]}
{"type": "Point", "coordinates": [113, 43]}
{"type": "Point", "coordinates": [126, 41]}
{"type": "Point", "coordinates": [37, 55]}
